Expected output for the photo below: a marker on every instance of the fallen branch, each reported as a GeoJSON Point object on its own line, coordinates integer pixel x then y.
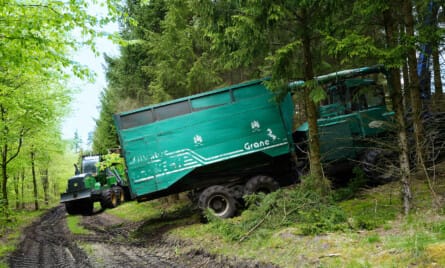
{"type": "Point", "coordinates": [330, 255]}
{"type": "Point", "coordinates": [254, 228]}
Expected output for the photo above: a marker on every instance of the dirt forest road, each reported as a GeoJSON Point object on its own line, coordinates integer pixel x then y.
{"type": "Point", "coordinates": [46, 244]}
{"type": "Point", "coordinates": [49, 243]}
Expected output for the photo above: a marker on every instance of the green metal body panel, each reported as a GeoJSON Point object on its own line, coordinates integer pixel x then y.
{"type": "Point", "coordinates": [342, 136]}
{"type": "Point", "coordinates": [90, 182]}
{"type": "Point", "coordinates": [71, 196]}
{"type": "Point", "coordinates": [79, 187]}
{"type": "Point", "coordinates": [346, 122]}
{"type": "Point", "coordinates": [164, 143]}
{"type": "Point", "coordinates": [111, 180]}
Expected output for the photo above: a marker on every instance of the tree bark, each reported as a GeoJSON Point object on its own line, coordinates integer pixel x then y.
{"type": "Point", "coordinates": [414, 88]}
{"type": "Point", "coordinates": [22, 175]}
{"type": "Point", "coordinates": [34, 181]}
{"type": "Point", "coordinates": [397, 99]}
{"type": "Point", "coordinates": [4, 150]}
{"type": "Point", "coordinates": [316, 167]}
{"type": "Point", "coordinates": [16, 190]}
{"type": "Point", "coordinates": [406, 94]}
{"type": "Point", "coordinates": [438, 94]}
{"type": "Point", "coordinates": [45, 185]}
{"type": "Point", "coordinates": [4, 175]}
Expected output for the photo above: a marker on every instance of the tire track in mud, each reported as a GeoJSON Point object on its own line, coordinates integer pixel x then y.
{"type": "Point", "coordinates": [47, 243]}
{"type": "Point", "coordinates": [118, 243]}
{"type": "Point", "coordinates": [111, 244]}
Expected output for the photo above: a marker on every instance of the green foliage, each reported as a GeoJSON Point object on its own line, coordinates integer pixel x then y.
{"type": "Point", "coordinates": [36, 42]}
{"type": "Point", "coordinates": [372, 210]}
{"type": "Point", "coordinates": [306, 210]}
{"type": "Point", "coordinates": [317, 93]}
{"type": "Point", "coordinates": [112, 160]}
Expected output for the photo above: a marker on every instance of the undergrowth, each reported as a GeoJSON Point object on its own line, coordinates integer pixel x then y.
{"type": "Point", "coordinates": [307, 210]}
{"type": "Point", "coordinates": [361, 226]}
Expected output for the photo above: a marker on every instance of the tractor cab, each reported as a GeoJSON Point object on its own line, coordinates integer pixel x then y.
{"type": "Point", "coordinates": [352, 95]}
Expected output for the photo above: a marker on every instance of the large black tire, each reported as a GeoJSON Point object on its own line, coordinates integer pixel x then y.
{"type": "Point", "coordinates": [109, 199]}
{"type": "Point", "coordinates": [83, 206]}
{"type": "Point", "coordinates": [87, 207]}
{"type": "Point", "coordinates": [120, 196]}
{"type": "Point", "coordinates": [380, 166]}
{"type": "Point", "coordinates": [218, 199]}
{"type": "Point", "coordinates": [71, 208]}
{"type": "Point", "coordinates": [261, 184]}
{"type": "Point", "coordinates": [127, 193]}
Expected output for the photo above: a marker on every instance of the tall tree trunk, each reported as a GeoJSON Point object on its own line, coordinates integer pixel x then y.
{"type": "Point", "coordinates": [406, 83]}
{"type": "Point", "coordinates": [316, 167]}
{"type": "Point", "coordinates": [4, 151]}
{"type": "Point", "coordinates": [16, 190]}
{"type": "Point", "coordinates": [438, 95]}
{"type": "Point", "coordinates": [416, 103]}
{"type": "Point", "coordinates": [45, 184]}
{"type": "Point", "coordinates": [4, 165]}
{"type": "Point", "coordinates": [396, 95]}
{"type": "Point", "coordinates": [22, 175]}
{"type": "Point", "coordinates": [34, 181]}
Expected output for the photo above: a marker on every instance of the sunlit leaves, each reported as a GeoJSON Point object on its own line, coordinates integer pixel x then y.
{"type": "Point", "coordinates": [37, 39]}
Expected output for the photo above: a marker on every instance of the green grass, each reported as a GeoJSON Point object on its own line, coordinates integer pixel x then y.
{"type": "Point", "coordinates": [375, 233]}
{"type": "Point", "coordinates": [134, 211]}
{"type": "Point", "coordinates": [378, 235]}
{"type": "Point", "coordinates": [73, 222]}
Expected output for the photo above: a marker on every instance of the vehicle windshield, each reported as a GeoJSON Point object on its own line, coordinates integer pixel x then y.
{"type": "Point", "coordinates": [89, 164]}
{"type": "Point", "coordinates": [355, 95]}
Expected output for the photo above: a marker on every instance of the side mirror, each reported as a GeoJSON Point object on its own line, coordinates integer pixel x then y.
{"type": "Point", "coordinates": [76, 170]}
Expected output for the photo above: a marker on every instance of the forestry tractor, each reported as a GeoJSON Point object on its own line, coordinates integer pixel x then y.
{"type": "Point", "coordinates": [90, 184]}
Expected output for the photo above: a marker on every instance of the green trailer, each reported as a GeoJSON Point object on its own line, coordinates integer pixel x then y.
{"type": "Point", "coordinates": [238, 140]}
{"type": "Point", "coordinates": [220, 145]}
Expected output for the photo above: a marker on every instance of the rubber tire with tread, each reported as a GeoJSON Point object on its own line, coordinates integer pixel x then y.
{"type": "Point", "coordinates": [261, 184]}
{"type": "Point", "coordinates": [84, 207]}
{"type": "Point", "coordinates": [120, 195]}
{"type": "Point", "coordinates": [380, 166]}
{"type": "Point", "coordinates": [71, 208]}
{"type": "Point", "coordinates": [87, 207]}
{"type": "Point", "coordinates": [218, 195]}
{"type": "Point", "coordinates": [109, 199]}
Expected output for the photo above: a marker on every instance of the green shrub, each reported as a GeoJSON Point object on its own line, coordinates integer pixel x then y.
{"type": "Point", "coordinates": [297, 206]}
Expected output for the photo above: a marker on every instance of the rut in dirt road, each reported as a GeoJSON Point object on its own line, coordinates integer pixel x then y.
{"type": "Point", "coordinates": [113, 244]}
{"type": "Point", "coordinates": [47, 243]}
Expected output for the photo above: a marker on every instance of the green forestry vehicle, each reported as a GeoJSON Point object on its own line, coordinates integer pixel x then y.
{"type": "Point", "coordinates": [354, 123]}
{"type": "Point", "coordinates": [223, 144]}
{"type": "Point", "coordinates": [90, 184]}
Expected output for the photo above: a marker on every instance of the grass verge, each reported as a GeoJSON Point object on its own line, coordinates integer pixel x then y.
{"type": "Point", "coordinates": [73, 222]}
{"type": "Point", "coordinates": [375, 233]}
{"type": "Point", "coordinates": [366, 230]}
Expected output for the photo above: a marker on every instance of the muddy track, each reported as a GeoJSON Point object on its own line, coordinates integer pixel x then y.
{"type": "Point", "coordinates": [47, 243]}
{"type": "Point", "coordinates": [112, 243]}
